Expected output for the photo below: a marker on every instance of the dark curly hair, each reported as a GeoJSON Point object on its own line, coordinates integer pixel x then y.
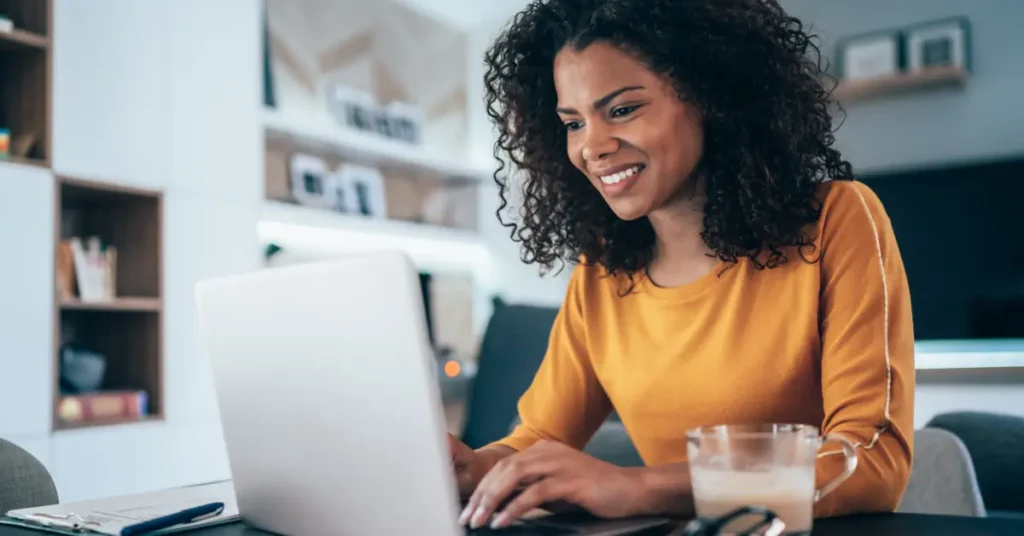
{"type": "Point", "coordinates": [753, 72]}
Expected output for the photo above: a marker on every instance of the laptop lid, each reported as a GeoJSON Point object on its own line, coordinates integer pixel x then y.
{"type": "Point", "coordinates": [329, 399]}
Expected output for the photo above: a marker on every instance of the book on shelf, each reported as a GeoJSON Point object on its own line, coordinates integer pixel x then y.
{"type": "Point", "coordinates": [102, 406]}
{"type": "Point", "coordinates": [86, 269]}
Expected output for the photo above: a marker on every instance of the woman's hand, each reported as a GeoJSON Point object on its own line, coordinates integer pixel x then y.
{"type": "Point", "coordinates": [552, 472]}
{"type": "Point", "coordinates": [470, 465]}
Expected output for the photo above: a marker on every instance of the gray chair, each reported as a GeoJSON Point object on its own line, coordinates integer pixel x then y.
{"type": "Point", "coordinates": [24, 481]}
{"type": "Point", "coordinates": [942, 480]}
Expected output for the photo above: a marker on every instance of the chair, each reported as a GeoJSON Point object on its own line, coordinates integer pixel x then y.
{"type": "Point", "coordinates": [942, 480]}
{"type": "Point", "coordinates": [512, 349]}
{"type": "Point", "coordinates": [24, 481]}
{"type": "Point", "coordinates": [996, 444]}
{"type": "Point", "coordinates": [511, 352]}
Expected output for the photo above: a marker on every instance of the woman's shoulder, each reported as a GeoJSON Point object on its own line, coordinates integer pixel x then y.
{"type": "Point", "coordinates": [850, 208]}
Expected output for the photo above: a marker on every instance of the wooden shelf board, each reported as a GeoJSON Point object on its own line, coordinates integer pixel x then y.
{"type": "Point", "coordinates": [21, 39]}
{"type": "Point", "coordinates": [126, 304]}
{"type": "Point", "coordinates": [854, 90]}
{"type": "Point", "coordinates": [120, 421]}
{"type": "Point", "coordinates": [37, 162]}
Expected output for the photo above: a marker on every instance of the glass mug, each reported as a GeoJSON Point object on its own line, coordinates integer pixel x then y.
{"type": "Point", "coordinates": [761, 465]}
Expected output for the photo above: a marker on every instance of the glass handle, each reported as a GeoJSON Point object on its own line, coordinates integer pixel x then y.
{"type": "Point", "coordinates": [849, 453]}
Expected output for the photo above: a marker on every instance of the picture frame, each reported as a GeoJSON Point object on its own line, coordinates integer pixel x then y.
{"type": "Point", "coordinates": [939, 43]}
{"type": "Point", "coordinates": [871, 55]}
{"type": "Point", "coordinates": [365, 188]}
{"type": "Point", "coordinates": [353, 108]}
{"type": "Point", "coordinates": [310, 181]}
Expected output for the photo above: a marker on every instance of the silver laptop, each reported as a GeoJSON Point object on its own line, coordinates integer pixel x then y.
{"type": "Point", "coordinates": [330, 402]}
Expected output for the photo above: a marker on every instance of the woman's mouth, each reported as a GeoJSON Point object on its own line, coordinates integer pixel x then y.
{"type": "Point", "coordinates": [617, 182]}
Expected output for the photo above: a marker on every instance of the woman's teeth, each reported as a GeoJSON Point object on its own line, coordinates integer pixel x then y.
{"type": "Point", "coordinates": [614, 178]}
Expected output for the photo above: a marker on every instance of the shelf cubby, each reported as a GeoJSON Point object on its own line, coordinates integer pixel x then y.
{"type": "Point", "coordinates": [126, 330]}
{"type": "Point", "coordinates": [26, 54]}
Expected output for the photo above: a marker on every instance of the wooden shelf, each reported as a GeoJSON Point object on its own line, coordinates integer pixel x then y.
{"type": "Point", "coordinates": [107, 422]}
{"type": "Point", "coordinates": [128, 330]}
{"type": "Point", "coordinates": [20, 39]}
{"type": "Point", "coordinates": [26, 161]}
{"type": "Point", "coordinates": [858, 90]}
{"type": "Point", "coordinates": [26, 67]}
{"type": "Point", "coordinates": [125, 304]}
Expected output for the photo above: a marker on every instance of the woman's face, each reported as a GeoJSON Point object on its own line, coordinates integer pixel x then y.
{"type": "Point", "coordinates": [626, 128]}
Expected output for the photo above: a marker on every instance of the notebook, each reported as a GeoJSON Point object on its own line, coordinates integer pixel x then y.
{"type": "Point", "coordinates": [110, 515]}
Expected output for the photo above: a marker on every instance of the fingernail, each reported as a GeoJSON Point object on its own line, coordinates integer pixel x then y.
{"type": "Point", "coordinates": [464, 516]}
{"type": "Point", "coordinates": [499, 521]}
{"type": "Point", "coordinates": [479, 517]}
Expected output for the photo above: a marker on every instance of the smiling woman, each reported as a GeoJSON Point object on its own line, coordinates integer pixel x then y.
{"type": "Point", "coordinates": [729, 269]}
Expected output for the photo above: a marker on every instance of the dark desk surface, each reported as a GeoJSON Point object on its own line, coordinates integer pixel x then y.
{"type": "Point", "coordinates": [881, 525]}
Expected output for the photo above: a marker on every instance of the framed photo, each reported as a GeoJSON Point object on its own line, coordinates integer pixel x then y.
{"type": "Point", "coordinates": [310, 181]}
{"type": "Point", "coordinates": [941, 43]}
{"type": "Point", "coordinates": [365, 189]}
{"type": "Point", "coordinates": [871, 55]}
{"type": "Point", "coordinates": [352, 107]}
{"type": "Point", "coordinates": [405, 122]}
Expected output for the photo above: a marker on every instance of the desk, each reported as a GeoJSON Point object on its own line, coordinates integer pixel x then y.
{"type": "Point", "coordinates": [875, 525]}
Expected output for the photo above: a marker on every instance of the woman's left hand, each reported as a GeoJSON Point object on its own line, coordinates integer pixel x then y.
{"type": "Point", "coordinates": [550, 472]}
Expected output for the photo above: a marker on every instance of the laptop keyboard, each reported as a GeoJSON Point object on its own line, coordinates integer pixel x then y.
{"type": "Point", "coordinates": [521, 530]}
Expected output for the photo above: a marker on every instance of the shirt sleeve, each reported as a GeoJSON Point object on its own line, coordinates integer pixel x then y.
{"type": "Point", "coordinates": [565, 401]}
{"type": "Point", "coordinates": [867, 354]}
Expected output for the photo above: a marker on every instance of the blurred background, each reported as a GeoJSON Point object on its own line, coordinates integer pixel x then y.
{"type": "Point", "coordinates": [145, 146]}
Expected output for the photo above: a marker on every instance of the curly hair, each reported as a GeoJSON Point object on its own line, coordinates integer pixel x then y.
{"type": "Point", "coordinates": [754, 73]}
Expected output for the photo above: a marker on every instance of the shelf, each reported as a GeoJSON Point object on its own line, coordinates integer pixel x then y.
{"type": "Point", "coordinates": [125, 304]}
{"type": "Point", "coordinates": [857, 90]}
{"type": "Point", "coordinates": [20, 39]}
{"type": "Point", "coordinates": [315, 230]}
{"type": "Point", "coordinates": [366, 148]}
{"type": "Point", "coordinates": [108, 422]}
{"type": "Point", "coordinates": [36, 162]}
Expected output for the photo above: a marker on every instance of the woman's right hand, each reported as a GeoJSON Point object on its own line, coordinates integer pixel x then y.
{"type": "Point", "coordinates": [471, 465]}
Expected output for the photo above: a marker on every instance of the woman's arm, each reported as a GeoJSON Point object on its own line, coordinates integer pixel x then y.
{"type": "Point", "coordinates": [565, 402]}
{"type": "Point", "coordinates": [867, 355]}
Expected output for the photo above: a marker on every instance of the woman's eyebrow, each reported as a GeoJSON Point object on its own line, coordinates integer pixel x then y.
{"type": "Point", "coordinates": [603, 101]}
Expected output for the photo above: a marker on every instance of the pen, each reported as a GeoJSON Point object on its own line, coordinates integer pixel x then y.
{"type": "Point", "coordinates": [190, 515]}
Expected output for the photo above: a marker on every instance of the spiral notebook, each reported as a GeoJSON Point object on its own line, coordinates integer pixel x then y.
{"type": "Point", "coordinates": [111, 515]}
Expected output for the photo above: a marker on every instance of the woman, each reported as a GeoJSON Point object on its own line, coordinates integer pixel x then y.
{"type": "Point", "coordinates": [732, 269]}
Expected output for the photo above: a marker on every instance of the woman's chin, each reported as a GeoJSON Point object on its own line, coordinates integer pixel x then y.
{"type": "Point", "coordinates": [629, 211]}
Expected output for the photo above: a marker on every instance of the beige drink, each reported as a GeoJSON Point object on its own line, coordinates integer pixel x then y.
{"type": "Point", "coordinates": [787, 491]}
{"type": "Point", "coordinates": [744, 469]}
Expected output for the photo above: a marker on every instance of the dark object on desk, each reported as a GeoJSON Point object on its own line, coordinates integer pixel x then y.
{"type": "Point", "coordinates": [24, 481]}
{"type": "Point", "coordinates": [995, 443]}
{"type": "Point", "coordinates": [764, 522]}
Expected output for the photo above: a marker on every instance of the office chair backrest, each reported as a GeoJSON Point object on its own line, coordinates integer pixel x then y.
{"type": "Point", "coordinates": [510, 354]}
{"type": "Point", "coordinates": [942, 481]}
{"type": "Point", "coordinates": [996, 444]}
{"type": "Point", "coordinates": [24, 481]}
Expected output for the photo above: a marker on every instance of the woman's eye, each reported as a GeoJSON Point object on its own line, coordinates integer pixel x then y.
{"type": "Point", "coordinates": [624, 110]}
{"type": "Point", "coordinates": [572, 125]}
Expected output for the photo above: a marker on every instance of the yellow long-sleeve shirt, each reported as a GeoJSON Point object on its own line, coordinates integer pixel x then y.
{"type": "Point", "coordinates": [828, 343]}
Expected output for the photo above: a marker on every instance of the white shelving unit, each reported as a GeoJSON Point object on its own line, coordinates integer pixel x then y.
{"type": "Point", "coordinates": [316, 230]}
{"type": "Point", "coordinates": [368, 148]}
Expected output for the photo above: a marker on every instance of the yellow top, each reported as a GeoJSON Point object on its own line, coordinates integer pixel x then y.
{"type": "Point", "coordinates": [828, 343]}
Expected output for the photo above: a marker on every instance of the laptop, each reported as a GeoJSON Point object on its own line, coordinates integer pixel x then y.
{"type": "Point", "coordinates": [330, 403]}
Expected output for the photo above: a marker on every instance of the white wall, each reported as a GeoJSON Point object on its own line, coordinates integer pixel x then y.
{"type": "Point", "coordinates": [161, 94]}
{"type": "Point", "coordinates": [518, 282]}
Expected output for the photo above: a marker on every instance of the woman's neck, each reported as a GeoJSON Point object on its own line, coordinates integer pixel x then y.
{"type": "Point", "coordinates": [680, 254]}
